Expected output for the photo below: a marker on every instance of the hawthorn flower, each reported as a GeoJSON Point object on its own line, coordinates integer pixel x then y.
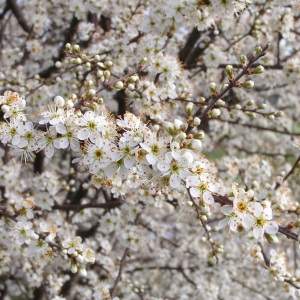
{"type": "Point", "coordinates": [241, 202]}
{"type": "Point", "coordinates": [100, 155]}
{"type": "Point", "coordinates": [231, 219]}
{"type": "Point", "coordinates": [23, 232]}
{"type": "Point", "coordinates": [202, 186]}
{"type": "Point", "coordinates": [176, 165]}
{"type": "Point", "coordinates": [72, 245]}
{"type": "Point", "coordinates": [155, 147]}
{"type": "Point", "coordinates": [90, 126]}
{"type": "Point", "coordinates": [260, 222]}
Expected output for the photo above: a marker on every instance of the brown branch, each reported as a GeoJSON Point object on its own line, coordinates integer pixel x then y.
{"type": "Point", "coordinates": [233, 83]}
{"type": "Point", "coordinates": [122, 263]}
{"type": "Point", "coordinates": [111, 204]}
{"type": "Point", "coordinates": [289, 173]}
{"type": "Point", "coordinates": [17, 11]}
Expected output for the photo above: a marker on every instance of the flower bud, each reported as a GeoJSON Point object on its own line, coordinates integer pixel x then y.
{"type": "Point", "coordinates": [78, 61]}
{"type": "Point", "coordinates": [215, 112]}
{"type": "Point", "coordinates": [258, 49]}
{"type": "Point", "coordinates": [58, 64]}
{"type": "Point", "coordinates": [118, 85]}
{"type": "Point", "coordinates": [97, 58]}
{"type": "Point", "coordinates": [5, 108]}
{"type": "Point", "coordinates": [196, 121]}
{"type": "Point", "coordinates": [271, 117]}
{"type": "Point", "coordinates": [59, 101]}
{"type": "Point", "coordinates": [250, 103]}
{"type": "Point", "coordinates": [106, 75]}
{"type": "Point", "coordinates": [262, 106]}
{"type": "Point", "coordinates": [280, 113]}
{"type": "Point", "coordinates": [131, 87]}
{"type": "Point", "coordinates": [272, 238]}
{"type": "Point", "coordinates": [91, 92]}
{"type": "Point", "coordinates": [76, 48]}
{"type": "Point", "coordinates": [108, 64]}
{"type": "Point", "coordinates": [196, 145]}
{"type": "Point", "coordinates": [251, 115]}
{"type": "Point", "coordinates": [249, 84]}
{"type": "Point", "coordinates": [68, 47]}
{"type": "Point", "coordinates": [259, 69]}
{"type": "Point", "coordinates": [189, 109]}
{"type": "Point", "coordinates": [229, 72]}
{"type": "Point", "coordinates": [143, 60]}
{"type": "Point", "coordinates": [213, 88]}
{"type": "Point", "coordinates": [243, 60]}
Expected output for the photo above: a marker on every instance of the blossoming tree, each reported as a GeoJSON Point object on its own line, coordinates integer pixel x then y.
{"type": "Point", "coordinates": [149, 149]}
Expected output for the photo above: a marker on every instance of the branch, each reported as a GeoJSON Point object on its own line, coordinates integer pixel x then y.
{"type": "Point", "coordinates": [233, 83]}
{"type": "Point", "coordinates": [289, 173]}
{"type": "Point", "coordinates": [12, 4]}
{"type": "Point", "coordinates": [122, 263]}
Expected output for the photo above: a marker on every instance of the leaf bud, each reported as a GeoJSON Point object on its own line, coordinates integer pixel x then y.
{"type": "Point", "coordinates": [262, 106]}
{"type": "Point", "coordinates": [271, 117]}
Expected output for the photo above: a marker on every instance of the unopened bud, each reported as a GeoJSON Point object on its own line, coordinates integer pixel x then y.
{"type": "Point", "coordinates": [118, 85]}
{"type": "Point", "coordinates": [251, 115]}
{"type": "Point", "coordinates": [106, 75]}
{"type": "Point", "coordinates": [68, 47]}
{"type": "Point", "coordinates": [196, 121]}
{"type": "Point", "coordinates": [216, 112]}
{"type": "Point", "coordinates": [229, 72]}
{"type": "Point", "coordinates": [76, 48]}
{"type": "Point", "coordinates": [59, 101]}
{"type": "Point", "coordinates": [262, 106]}
{"type": "Point", "coordinates": [249, 84]}
{"type": "Point", "coordinates": [97, 58]}
{"type": "Point", "coordinates": [108, 64]}
{"type": "Point", "coordinates": [189, 109]}
{"type": "Point", "coordinates": [280, 113]}
{"type": "Point", "coordinates": [243, 60]}
{"type": "Point", "coordinates": [259, 69]}
{"type": "Point", "coordinates": [213, 88]}
{"type": "Point", "coordinates": [272, 238]}
{"type": "Point", "coordinates": [143, 60]}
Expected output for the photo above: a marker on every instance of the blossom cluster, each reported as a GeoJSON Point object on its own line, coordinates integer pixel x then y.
{"type": "Point", "coordinates": [142, 140]}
